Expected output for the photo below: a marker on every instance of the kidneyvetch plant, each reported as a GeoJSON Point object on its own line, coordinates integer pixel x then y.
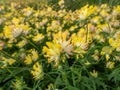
{"type": "Point", "coordinates": [48, 48]}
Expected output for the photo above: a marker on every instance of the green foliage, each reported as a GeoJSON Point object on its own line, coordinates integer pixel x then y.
{"type": "Point", "coordinates": [76, 4]}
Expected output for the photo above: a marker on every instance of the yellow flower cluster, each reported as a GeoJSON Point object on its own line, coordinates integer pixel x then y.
{"type": "Point", "coordinates": [59, 45]}
{"type": "Point", "coordinates": [19, 84]}
{"type": "Point", "coordinates": [32, 56]}
{"type": "Point", "coordinates": [33, 35]}
{"type": "Point", "coordinates": [37, 71]}
{"type": "Point", "coordinates": [7, 61]}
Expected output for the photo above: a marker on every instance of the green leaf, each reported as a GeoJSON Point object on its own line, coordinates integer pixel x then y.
{"type": "Point", "coordinates": [14, 72]}
{"type": "Point", "coordinates": [72, 88]}
{"type": "Point", "coordinates": [115, 75]}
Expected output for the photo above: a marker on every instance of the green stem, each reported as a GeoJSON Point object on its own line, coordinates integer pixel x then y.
{"type": "Point", "coordinates": [6, 54]}
{"type": "Point", "coordinates": [87, 33]}
{"type": "Point", "coordinates": [31, 43]}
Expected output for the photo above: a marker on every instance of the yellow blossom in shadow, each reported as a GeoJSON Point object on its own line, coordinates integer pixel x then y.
{"type": "Point", "coordinates": [94, 73]}
{"type": "Point", "coordinates": [110, 64]}
{"type": "Point", "coordinates": [37, 71]}
{"type": "Point", "coordinates": [107, 51]}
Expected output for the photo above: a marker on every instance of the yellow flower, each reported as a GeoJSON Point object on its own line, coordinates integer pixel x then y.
{"type": "Point", "coordinates": [72, 28]}
{"type": "Point", "coordinates": [87, 63]}
{"type": "Point", "coordinates": [38, 37]}
{"type": "Point", "coordinates": [54, 26]}
{"type": "Point", "coordinates": [110, 64]}
{"type": "Point", "coordinates": [43, 22]}
{"type": "Point", "coordinates": [16, 30]}
{"type": "Point", "coordinates": [26, 28]}
{"type": "Point", "coordinates": [114, 43]}
{"type": "Point", "coordinates": [104, 13]}
{"type": "Point", "coordinates": [116, 10]}
{"type": "Point", "coordinates": [7, 30]}
{"type": "Point", "coordinates": [2, 7]}
{"type": "Point", "coordinates": [37, 71]}
{"type": "Point", "coordinates": [52, 52]}
{"type": "Point", "coordinates": [103, 27]}
{"type": "Point", "coordinates": [107, 57]}
{"type": "Point", "coordinates": [61, 2]}
{"type": "Point", "coordinates": [9, 44]}
{"type": "Point", "coordinates": [22, 43]}
{"type": "Point", "coordinates": [7, 15]}
{"type": "Point", "coordinates": [15, 20]}
{"type": "Point", "coordinates": [110, 41]}
{"type": "Point", "coordinates": [59, 45]}
{"type": "Point", "coordinates": [28, 59]}
{"type": "Point", "coordinates": [28, 11]}
{"type": "Point", "coordinates": [96, 19]}
{"type": "Point", "coordinates": [51, 87]}
{"type": "Point", "coordinates": [7, 61]}
{"type": "Point", "coordinates": [1, 35]}
{"type": "Point", "coordinates": [94, 73]}
{"type": "Point", "coordinates": [19, 84]}
{"type": "Point", "coordinates": [80, 40]}
{"type": "Point", "coordinates": [34, 54]}
{"type": "Point", "coordinates": [117, 35]}
{"type": "Point", "coordinates": [11, 61]}
{"type": "Point", "coordinates": [107, 51]}
{"type": "Point", "coordinates": [86, 11]}
{"type": "Point", "coordinates": [66, 46]}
